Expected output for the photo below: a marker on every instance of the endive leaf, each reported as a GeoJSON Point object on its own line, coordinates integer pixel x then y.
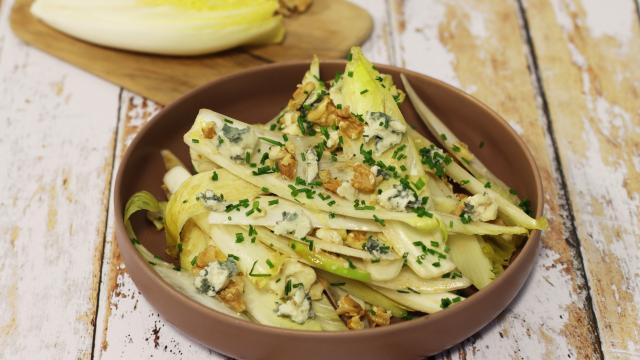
{"type": "Point", "coordinates": [183, 204]}
{"type": "Point", "coordinates": [183, 282]}
{"type": "Point", "coordinates": [362, 292]}
{"type": "Point", "coordinates": [169, 27]}
{"type": "Point", "coordinates": [282, 187]}
{"type": "Point", "coordinates": [139, 201]}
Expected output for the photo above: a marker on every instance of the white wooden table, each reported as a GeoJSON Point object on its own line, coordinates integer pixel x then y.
{"type": "Point", "coordinates": [565, 74]}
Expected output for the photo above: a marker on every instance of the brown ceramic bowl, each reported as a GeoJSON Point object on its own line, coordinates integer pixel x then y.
{"type": "Point", "coordinates": [256, 95]}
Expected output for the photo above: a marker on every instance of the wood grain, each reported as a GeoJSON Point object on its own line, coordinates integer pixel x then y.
{"type": "Point", "coordinates": [127, 327]}
{"type": "Point", "coordinates": [56, 151]}
{"type": "Point", "coordinates": [69, 129]}
{"type": "Point", "coordinates": [328, 29]}
{"type": "Point", "coordinates": [589, 57]}
{"type": "Point", "coordinates": [479, 46]}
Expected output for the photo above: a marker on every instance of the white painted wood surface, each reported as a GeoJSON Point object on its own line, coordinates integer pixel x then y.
{"type": "Point", "coordinates": [56, 149]}
{"type": "Point", "coordinates": [591, 75]}
{"type": "Point", "coordinates": [480, 48]}
{"type": "Point", "coordinates": [64, 292]}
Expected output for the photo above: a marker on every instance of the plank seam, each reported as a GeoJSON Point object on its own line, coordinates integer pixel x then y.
{"type": "Point", "coordinates": [106, 221]}
{"type": "Point", "coordinates": [391, 56]}
{"type": "Point", "coordinates": [574, 239]}
{"type": "Point", "coordinates": [258, 57]}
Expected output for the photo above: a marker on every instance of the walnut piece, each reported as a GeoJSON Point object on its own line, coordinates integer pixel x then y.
{"type": "Point", "coordinates": [324, 114]}
{"type": "Point", "coordinates": [208, 130]}
{"type": "Point", "coordinates": [349, 125]}
{"type": "Point", "coordinates": [363, 179]}
{"type": "Point", "coordinates": [355, 323]}
{"type": "Point", "coordinates": [287, 166]}
{"type": "Point", "coordinates": [349, 306]}
{"type": "Point", "coordinates": [232, 294]}
{"type": "Point", "coordinates": [328, 182]}
{"type": "Point", "coordinates": [378, 316]}
{"type": "Point", "coordinates": [351, 309]}
{"type": "Point", "coordinates": [208, 255]}
{"type": "Point", "coordinates": [300, 95]}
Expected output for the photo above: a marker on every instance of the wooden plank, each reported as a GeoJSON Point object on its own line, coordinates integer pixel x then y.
{"type": "Point", "coordinates": [479, 46]}
{"type": "Point", "coordinates": [588, 54]}
{"type": "Point", "coordinates": [329, 28]}
{"type": "Point", "coordinates": [127, 326]}
{"type": "Point", "coordinates": [56, 153]}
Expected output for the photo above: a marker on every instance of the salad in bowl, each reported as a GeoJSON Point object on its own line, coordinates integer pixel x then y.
{"type": "Point", "coordinates": [335, 215]}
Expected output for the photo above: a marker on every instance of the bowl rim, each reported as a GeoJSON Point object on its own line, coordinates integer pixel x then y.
{"type": "Point", "coordinates": [529, 249]}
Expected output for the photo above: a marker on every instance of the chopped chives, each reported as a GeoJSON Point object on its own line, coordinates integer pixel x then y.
{"type": "Point", "coordinates": [271, 141]}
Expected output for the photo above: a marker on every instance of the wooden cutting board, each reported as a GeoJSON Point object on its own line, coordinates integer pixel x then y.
{"type": "Point", "coordinates": [328, 29]}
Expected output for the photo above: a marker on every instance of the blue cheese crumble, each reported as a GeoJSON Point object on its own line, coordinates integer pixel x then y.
{"type": "Point", "coordinates": [297, 307]}
{"type": "Point", "coordinates": [397, 198]}
{"type": "Point", "coordinates": [212, 201]}
{"type": "Point", "coordinates": [482, 207]}
{"type": "Point", "coordinates": [215, 277]}
{"type": "Point", "coordinates": [375, 247]}
{"type": "Point", "coordinates": [293, 223]}
{"type": "Point", "coordinates": [235, 140]}
{"type": "Point", "coordinates": [310, 166]}
{"type": "Point", "coordinates": [383, 130]}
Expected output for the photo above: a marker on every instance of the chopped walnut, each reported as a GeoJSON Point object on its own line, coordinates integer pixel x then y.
{"type": "Point", "coordinates": [344, 113]}
{"type": "Point", "coordinates": [356, 239]}
{"type": "Point", "coordinates": [328, 182]}
{"type": "Point", "coordinates": [378, 316]}
{"type": "Point", "coordinates": [287, 166]}
{"type": "Point", "coordinates": [349, 306]}
{"type": "Point", "coordinates": [349, 125]}
{"type": "Point", "coordinates": [363, 179]}
{"type": "Point", "coordinates": [289, 7]}
{"type": "Point", "coordinates": [324, 114]}
{"type": "Point", "coordinates": [208, 130]}
{"type": "Point", "coordinates": [352, 310]}
{"type": "Point", "coordinates": [208, 255]}
{"type": "Point", "coordinates": [232, 294]}
{"type": "Point", "coordinates": [355, 323]}
{"type": "Point", "coordinates": [300, 95]}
